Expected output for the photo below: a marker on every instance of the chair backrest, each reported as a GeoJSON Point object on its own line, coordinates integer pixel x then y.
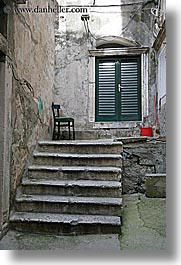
{"type": "Point", "coordinates": [56, 110]}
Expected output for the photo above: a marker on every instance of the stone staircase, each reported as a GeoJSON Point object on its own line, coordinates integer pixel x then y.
{"type": "Point", "coordinates": [73, 187]}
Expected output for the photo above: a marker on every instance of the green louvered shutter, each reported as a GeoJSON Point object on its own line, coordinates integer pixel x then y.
{"type": "Point", "coordinates": [118, 89]}
{"type": "Point", "coordinates": [105, 90]}
{"type": "Point", "coordinates": [130, 95]}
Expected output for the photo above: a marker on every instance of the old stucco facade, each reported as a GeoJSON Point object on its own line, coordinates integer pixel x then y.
{"type": "Point", "coordinates": [130, 25]}
{"type": "Point", "coordinates": [27, 76]}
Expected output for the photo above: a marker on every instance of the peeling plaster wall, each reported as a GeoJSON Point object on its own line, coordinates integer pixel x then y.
{"type": "Point", "coordinates": [5, 117]}
{"type": "Point", "coordinates": [73, 67]}
{"type": "Point", "coordinates": [72, 61]}
{"type": "Point", "coordinates": [71, 76]}
{"type": "Point", "coordinates": [27, 77]}
{"type": "Point", "coordinates": [140, 29]}
{"type": "Point", "coordinates": [33, 77]}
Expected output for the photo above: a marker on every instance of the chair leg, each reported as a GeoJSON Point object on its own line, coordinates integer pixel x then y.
{"type": "Point", "coordinates": [57, 134]}
{"type": "Point", "coordinates": [73, 130]}
{"type": "Point", "coordinates": [69, 131]}
{"type": "Point", "coordinates": [58, 131]}
{"type": "Point", "coordinates": [53, 136]}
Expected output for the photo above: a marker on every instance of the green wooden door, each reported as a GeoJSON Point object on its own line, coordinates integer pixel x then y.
{"type": "Point", "coordinates": [118, 89]}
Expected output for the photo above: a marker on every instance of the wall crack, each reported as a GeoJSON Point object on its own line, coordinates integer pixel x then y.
{"type": "Point", "coordinates": [25, 23]}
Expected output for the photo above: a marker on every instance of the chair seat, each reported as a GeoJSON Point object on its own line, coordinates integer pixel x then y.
{"type": "Point", "coordinates": [64, 119]}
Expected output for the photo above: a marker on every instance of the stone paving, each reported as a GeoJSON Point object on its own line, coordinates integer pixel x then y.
{"type": "Point", "coordinates": [144, 223]}
{"type": "Point", "coordinates": [144, 228]}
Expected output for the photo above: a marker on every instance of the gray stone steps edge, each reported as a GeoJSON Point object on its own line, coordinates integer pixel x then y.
{"type": "Point", "coordinates": [64, 218]}
{"type": "Point", "coordinates": [69, 200]}
{"type": "Point", "coordinates": [76, 156]}
{"type": "Point", "coordinates": [75, 168]}
{"type": "Point", "coordinates": [83, 147]}
{"type": "Point", "coordinates": [78, 188]}
{"type": "Point", "coordinates": [156, 175]}
{"type": "Point", "coordinates": [72, 183]}
{"type": "Point", "coordinates": [81, 143]}
{"type": "Point", "coordinates": [46, 223]}
{"type": "Point", "coordinates": [69, 159]}
{"type": "Point", "coordinates": [94, 173]}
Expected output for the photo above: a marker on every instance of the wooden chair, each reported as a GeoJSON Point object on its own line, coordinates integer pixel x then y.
{"type": "Point", "coordinates": [61, 121]}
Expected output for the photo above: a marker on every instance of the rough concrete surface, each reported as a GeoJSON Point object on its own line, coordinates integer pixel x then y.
{"type": "Point", "coordinates": [144, 223]}
{"type": "Point", "coordinates": [144, 228]}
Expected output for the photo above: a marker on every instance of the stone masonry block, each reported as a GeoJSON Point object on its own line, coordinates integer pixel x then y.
{"type": "Point", "coordinates": [156, 185]}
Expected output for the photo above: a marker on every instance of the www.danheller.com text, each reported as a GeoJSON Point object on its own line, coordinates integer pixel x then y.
{"type": "Point", "coordinates": [49, 9]}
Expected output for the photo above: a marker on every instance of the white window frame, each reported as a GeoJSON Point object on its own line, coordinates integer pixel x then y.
{"type": "Point", "coordinates": [144, 84]}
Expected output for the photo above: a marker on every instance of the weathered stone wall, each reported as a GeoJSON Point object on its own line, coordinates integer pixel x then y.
{"type": "Point", "coordinates": [142, 157]}
{"type": "Point", "coordinates": [140, 29]}
{"type": "Point", "coordinates": [5, 112]}
{"type": "Point", "coordinates": [162, 117]}
{"type": "Point", "coordinates": [27, 76]}
{"type": "Point", "coordinates": [137, 22]}
{"type": "Point", "coordinates": [33, 77]}
{"type": "Point", "coordinates": [73, 67]}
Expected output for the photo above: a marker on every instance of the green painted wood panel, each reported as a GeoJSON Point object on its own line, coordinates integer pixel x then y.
{"type": "Point", "coordinates": [118, 89]}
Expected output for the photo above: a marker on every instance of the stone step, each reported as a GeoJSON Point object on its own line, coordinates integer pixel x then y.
{"type": "Point", "coordinates": [106, 133]}
{"type": "Point", "coordinates": [61, 159]}
{"type": "Point", "coordinates": [155, 185]}
{"type": "Point", "coordinates": [69, 204]}
{"type": "Point", "coordinates": [72, 188]}
{"type": "Point", "coordinates": [61, 224]}
{"type": "Point", "coordinates": [81, 147]}
{"type": "Point", "coordinates": [74, 173]}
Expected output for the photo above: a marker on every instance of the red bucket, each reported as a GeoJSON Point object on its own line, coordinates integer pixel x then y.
{"type": "Point", "coordinates": [147, 131]}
